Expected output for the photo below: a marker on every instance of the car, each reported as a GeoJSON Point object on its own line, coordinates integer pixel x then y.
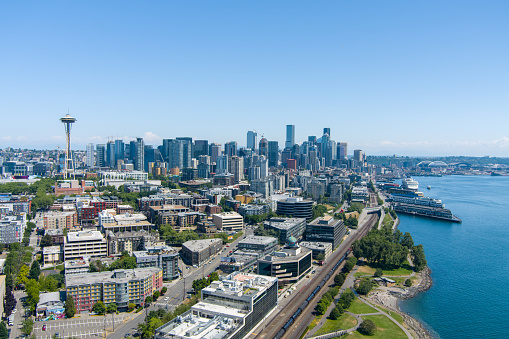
{"type": "Point", "coordinates": [166, 299]}
{"type": "Point", "coordinates": [44, 327]}
{"type": "Point", "coordinates": [210, 262]}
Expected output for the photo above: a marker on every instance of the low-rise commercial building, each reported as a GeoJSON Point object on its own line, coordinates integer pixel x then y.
{"type": "Point", "coordinates": [121, 287]}
{"type": "Point", "coordinates": [295, 207]}
{"type": "Point", "coordinates": [252, 209]}
{"type": "Point", "coordinates": [51, 255]}
{"type": "Point", "coordinates": [287, 227]}
{"type": "Point", "coordinates": [258, 244]}
{"type": "Point", "coordinates": [57, 236]}
{"type": "Point", "coordinates": [229, 309]}
{"type": "Point", "coordinates": [326, 229]}
{"type": "Point", "coordinates": [85, 243]}
{"type": "Point", "coordinates": [197, 252]}
{"type": "Point", "coordinates": [288, 265]}
{"type": "Point", "coordinates": [228, 222]}
{"type": "Point", "coordinates": [318, 248]}
{"type": "Point", "coordinates": [78, 266]}
{"type": "Point", "coordinates": [163, 257]}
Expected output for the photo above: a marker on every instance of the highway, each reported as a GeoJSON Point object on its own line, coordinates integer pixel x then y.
{"type": "Point", "coordinates": [269, 328]}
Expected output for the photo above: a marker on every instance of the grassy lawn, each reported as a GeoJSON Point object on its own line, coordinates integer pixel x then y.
{"type": "Point", "coordinates": [358, 307]}
{"type": "Point", "coordinates": [386, 329]}
{"type": "Point", "coordinates": [364, 270]}
{"type": "Point", "coordinates": [395, 315]}
{"type": "Point", "coordinates": [344, 322]}
{"type": "Point", "coordinates": [387, 220]}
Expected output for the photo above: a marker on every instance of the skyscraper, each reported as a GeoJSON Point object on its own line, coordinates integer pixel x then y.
{"type": "Point", "coordinates": [236, 166]}
{"type": "Point", "coordinates": [100, 153]}
{"type": "Point", "coordinates": [251, 140]}
{"type": "Point", "coordinates": [201, 147]}
{"type": "Point", "coordinates": [90, 155]}
{"type": "Point", "coordinates": [215, 151]}
{"type": "Point", "coordinates": [342, 150]}
{"type": "Point", "coordinates": [139, 158]}
{"type": "Point", "coordinates": [290, 136]}
{"type": "Point", "coordinates": [273, 153]}
{"type": "Point", "coordinates": [119, 150]}
{"type": "Point", "coordinates": [326, 130]}
{"type": "Point", "coordinates": [187, 151]}
{"type": "Point", "coordinates": [230, 148]}
{"type": "Point", "coordinates": [110, 154]}
{"type": "Point", "coordinates": [264, 147]}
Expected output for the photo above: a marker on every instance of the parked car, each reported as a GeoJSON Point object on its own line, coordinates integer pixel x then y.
{"type": "Point", "coordinates": [44, 327]}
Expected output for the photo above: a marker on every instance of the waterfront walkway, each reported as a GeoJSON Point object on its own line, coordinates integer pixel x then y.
{"type": "Point", "coordinates": [349, 283]}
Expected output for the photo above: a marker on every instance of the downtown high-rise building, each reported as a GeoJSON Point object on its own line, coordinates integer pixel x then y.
{"type": "Point", "coordinates": [90, 155]}
{"type": "Point", "coordinates": [139, 157]}
{"type": "Point", "coordinates": [215, 151]}
{"type": "Point", "coordinates": [264, 147]}
{"type": "Point", "coordinates": [100, 153]}
{"type": "Point", "coordinates": [236, 167]}
{"type": "Point", "coordinates": [290, 136]}
{"type": "Point", "coordinates": [251, 140]}
{"type": "Point", "coordinates": [230, 148]}
{"type": "Point", "coordinates": [119, 150]}
{"type": "Point", "coordinates": [326, 130]}
{"type": "Point", "coordinates": [342, 152]}
{"type": "Point", "coordinates": [273, 153]}
{"type": "Point", "coordinates": [201, 147]}
{"type": "Point", "coordinates": [110, 154]}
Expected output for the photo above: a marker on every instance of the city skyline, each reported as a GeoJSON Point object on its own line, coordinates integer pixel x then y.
{"type": "Point", "coordinates": [408, 79]}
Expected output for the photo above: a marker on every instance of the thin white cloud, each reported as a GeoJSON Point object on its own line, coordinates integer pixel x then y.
{"type": "Point", "coordinates": [152, 137]}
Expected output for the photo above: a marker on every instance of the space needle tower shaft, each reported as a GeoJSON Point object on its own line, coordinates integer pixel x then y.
{"type": "Point", "coordinates": [69, 163]}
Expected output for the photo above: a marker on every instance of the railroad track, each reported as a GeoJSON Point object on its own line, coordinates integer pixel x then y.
{"type": "Point", "coordinates": [281, 325]}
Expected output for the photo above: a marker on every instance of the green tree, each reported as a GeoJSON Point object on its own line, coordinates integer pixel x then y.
{"type": "Point", "coordinates": [35, 270]}
{"type": "Point", "coordinates": [408, 283]}
{"type": "Point", "coordinates": [131, 306]}
{"type": "Point", "coordinates": [99, 307]}
{"type": "Point", "coordinates": [378, 272]}
{"type": "Point", "coordinates": [340, 308]}
{"type": "Point", "coordinates": [4, 334]}
{"type": "Point", "coordinates": [27, 326]}
{"type": "Point", "coordinates": [32, 291]}
{"type": "Point", "coordinates": [163, 290]}
{"type": "Point", "coordinates": [321, 307]}
{"type": "Point", "coordinates": [111, 308]}
{"type": "Point", "coordinates": [346, 298]}
{"type": "Point", "coordinates": [339, 279]}
{"type": "Point", "coordinates": [156, 295]}
{"type": "Point", "coordinates": [46, 240]}
{"type": "Point", "coordinates": [418, 257]}
{"type": "Point", "coordinates": [334, 314]}
{"type": "Point", "coordinates": [367, 327]}
{"type": "Point", "coordinates": [70, 307]}
{"type": "Point", "coordinates": [23, 275]}
{"type": "Point", "coordinates": [320, 256]}
{"type": "Point", "coordinates": [364, 287]}
{"type": "Point", "coordinates": [148, 300]}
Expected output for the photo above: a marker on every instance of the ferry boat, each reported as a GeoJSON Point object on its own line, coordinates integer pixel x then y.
{"type": "Point", "coordinates": [422, 206]}
{"type": "Point", "coordinates": [410, 184]}
{"type": "Point", "coordinates": [429, 187]}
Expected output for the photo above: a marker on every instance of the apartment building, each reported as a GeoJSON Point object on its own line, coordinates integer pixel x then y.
{"type": "Point", "coordinates": [121, 287]}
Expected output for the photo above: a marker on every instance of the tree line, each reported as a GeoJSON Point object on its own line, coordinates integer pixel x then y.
{"type": "Point", "coordinates": [388, 249]}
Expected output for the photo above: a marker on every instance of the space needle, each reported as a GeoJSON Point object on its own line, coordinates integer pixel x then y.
{"type": "Point", "coordinates": [69, 163]}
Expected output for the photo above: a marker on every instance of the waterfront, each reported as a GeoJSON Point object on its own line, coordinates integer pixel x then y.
{"type": "Point", "coordinates": [469, 261]}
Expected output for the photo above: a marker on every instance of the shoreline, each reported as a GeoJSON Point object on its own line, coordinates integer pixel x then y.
{"type": "Point", "coordinates": [389, 299]}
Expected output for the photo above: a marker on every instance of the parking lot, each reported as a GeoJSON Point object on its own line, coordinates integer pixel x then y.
{"type": "Point", "coordinates": [90, 327]}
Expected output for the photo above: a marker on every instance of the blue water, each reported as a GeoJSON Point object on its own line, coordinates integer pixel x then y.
{"type": "Point", "coordinates": [469, 261]}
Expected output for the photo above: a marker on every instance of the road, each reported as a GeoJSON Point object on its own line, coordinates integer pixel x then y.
{"type": "Point", "coordinates": [176, 289]}
{"type": "Point", "coordinates": [270, 327]}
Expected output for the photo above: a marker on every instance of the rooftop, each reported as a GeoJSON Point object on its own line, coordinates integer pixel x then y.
{"type": "Point", "coordinates": [84, 236]}
{"type": "Point", "coordinates": [117, 276]}
{"type": "Point", "coordinates": [51, 250]}
{"type": "Point", "coordinates": [284, 223]}
{"type": "Point", "coordinates": [254, 239]}
{"type": "Point", "coordinates": [198, 245]}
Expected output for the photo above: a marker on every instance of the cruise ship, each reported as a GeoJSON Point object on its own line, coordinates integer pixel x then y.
{"type": "Point", "coordinates": [410, 184]}
{"type": "Point", "coordinates": [422, 206]}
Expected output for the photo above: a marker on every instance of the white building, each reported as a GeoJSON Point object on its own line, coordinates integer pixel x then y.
{"type": "Point", "coordinates": [85, 243]}
{"type": "Point", "coordinates": [228, 222]}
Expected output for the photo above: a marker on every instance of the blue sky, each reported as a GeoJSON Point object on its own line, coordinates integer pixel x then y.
{"type": "Point", "coordinates": [388, 77]}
